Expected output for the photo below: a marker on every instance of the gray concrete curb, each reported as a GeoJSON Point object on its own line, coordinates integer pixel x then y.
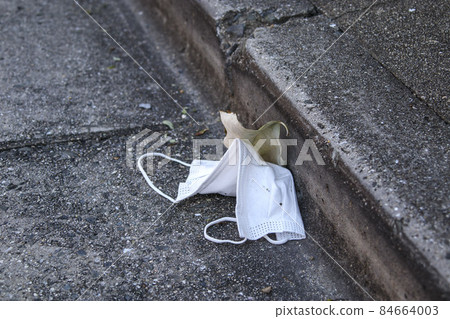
{"type": "Point", "coordinates": [374, 217]}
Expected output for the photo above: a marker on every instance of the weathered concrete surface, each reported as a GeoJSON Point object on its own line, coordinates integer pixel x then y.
{"type": "Point", "coordinates": [384, 191]}
{"type": "Point", "coordinates": [209, 40]}
{"type": "Point", "coordinates": [373, 127]}
{"type": "Point", "coordinates": [69, 205]}
{"type": "Point", "coordinates": [410, 38]}
{"type": "Point", "coordinates": [237, 19]}
{"type": "Point", "coordinates": [269, 11]}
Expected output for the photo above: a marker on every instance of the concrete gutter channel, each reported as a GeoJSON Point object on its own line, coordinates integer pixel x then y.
{"type": "Point", "coordinates": [380, 204]}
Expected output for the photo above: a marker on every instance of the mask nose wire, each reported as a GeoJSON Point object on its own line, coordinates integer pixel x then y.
{"type": "Point", "coordinates": [147, 179]}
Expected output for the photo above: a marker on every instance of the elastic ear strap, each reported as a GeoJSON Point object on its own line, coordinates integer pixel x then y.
{"type": "Point", "coordinates": [275, 242]}
{"type": "Point", "coordinates": [221, 241]}
{"type": "Point", "coordinates": [149, 182]}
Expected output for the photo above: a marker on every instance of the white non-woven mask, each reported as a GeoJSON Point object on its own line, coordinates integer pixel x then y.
{"type": "Point", "coordinates": [266, 202]}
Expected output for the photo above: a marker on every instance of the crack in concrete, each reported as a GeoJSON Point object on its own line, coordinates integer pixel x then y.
{"type": "Point", "coordinates": [87, 135]}
{"type": "Point", "coordinates": [235, 27]}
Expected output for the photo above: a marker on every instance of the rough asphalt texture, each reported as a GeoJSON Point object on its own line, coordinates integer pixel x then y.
{"type": "Point", "coordinates": [70, 207]}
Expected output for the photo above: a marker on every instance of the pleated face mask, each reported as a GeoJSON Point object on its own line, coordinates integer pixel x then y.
{"type": "Point", "coordinates": [266, 202]}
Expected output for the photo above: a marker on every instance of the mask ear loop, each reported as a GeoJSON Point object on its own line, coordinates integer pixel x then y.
{"type": "Point", "coordinates": [149, 182]}
{"type": "Point", "coordinates": [221, 241]}
{"type": "Point", "coordinates": [275, 242]}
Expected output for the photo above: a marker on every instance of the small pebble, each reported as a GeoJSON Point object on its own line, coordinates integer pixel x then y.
{"type": "Point", "coordinates": [145, 105]}
{"type": "Point", "coordinates": [267, 290]}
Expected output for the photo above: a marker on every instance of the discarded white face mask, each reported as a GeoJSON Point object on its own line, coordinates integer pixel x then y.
{"type": "Point", "coordinates": [266, 202]}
